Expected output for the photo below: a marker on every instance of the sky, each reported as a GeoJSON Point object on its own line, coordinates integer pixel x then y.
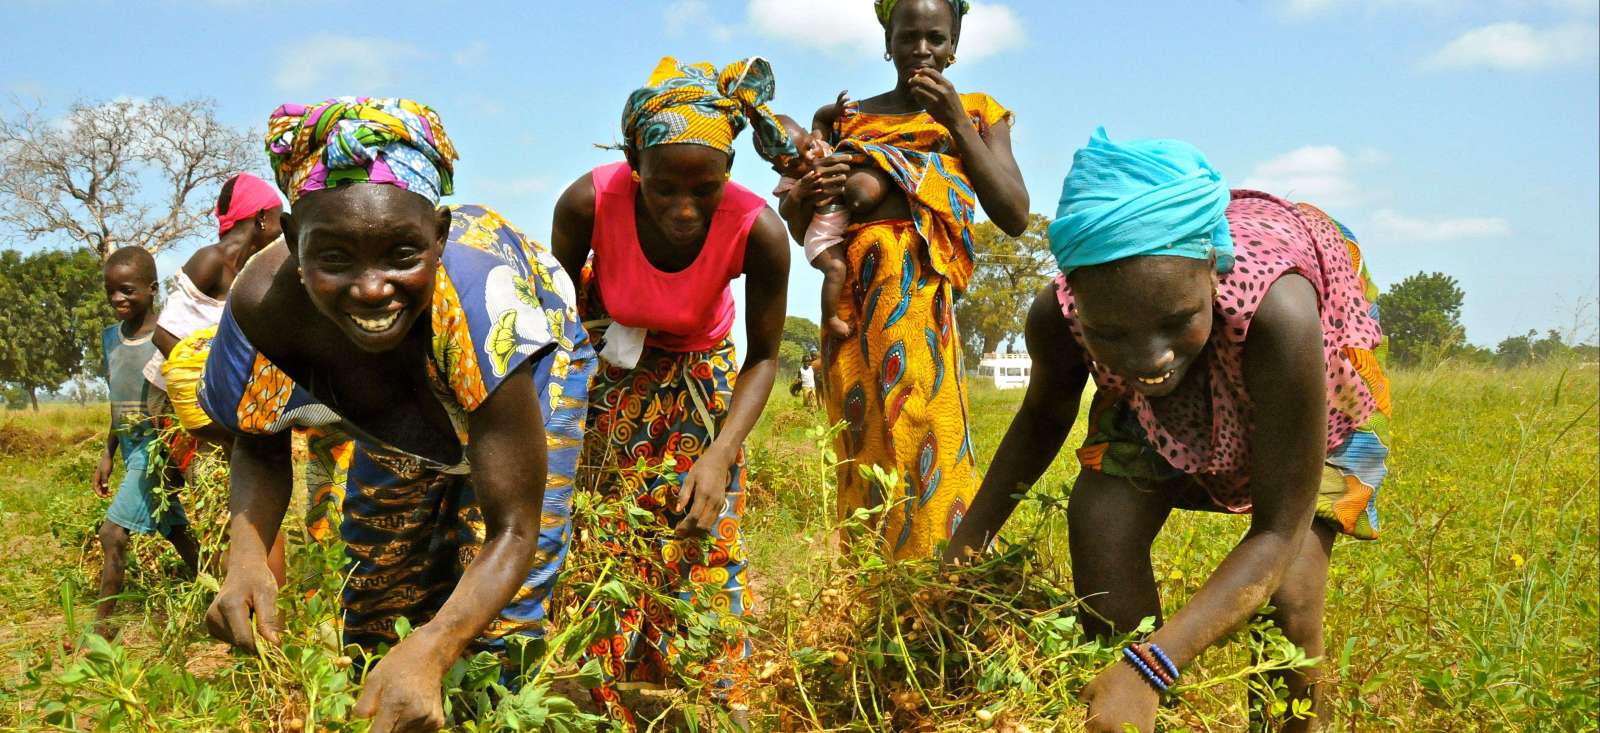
{"type": "Point", "coordinates": [1458, 137]}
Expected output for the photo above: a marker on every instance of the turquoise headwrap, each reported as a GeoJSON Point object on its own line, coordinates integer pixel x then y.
{"type": "Point", "coordinates": [1145, 197]}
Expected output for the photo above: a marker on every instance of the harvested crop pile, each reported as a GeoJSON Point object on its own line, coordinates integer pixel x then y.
{"type": "Point", "coordinates": [991, 645]}
{"type": "Point", "coordinates": [916, 646]}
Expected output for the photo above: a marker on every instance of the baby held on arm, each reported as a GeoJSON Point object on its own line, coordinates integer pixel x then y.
{"type": "Point", "coordinates": [864, 190]}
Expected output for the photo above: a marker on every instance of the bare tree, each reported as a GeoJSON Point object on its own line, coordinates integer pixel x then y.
{"type": "Point", "coordinates": [114, 174]}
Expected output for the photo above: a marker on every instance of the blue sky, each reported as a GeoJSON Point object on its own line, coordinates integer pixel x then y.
{"type": "Point", "coordinates": [1451, 136]}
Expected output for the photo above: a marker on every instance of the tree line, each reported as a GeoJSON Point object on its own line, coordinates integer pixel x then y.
{"type": "Point", "coordinates": [145, 173]}
{"type": "Point", "coordinates": [1421, 314]}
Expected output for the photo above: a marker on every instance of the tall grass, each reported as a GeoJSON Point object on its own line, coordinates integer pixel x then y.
{"type": "Point", "coordinates": [1476, 610]}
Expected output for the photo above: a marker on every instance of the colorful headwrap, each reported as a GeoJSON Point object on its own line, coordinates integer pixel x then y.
{"type": "Point", "coordinates": [696, 103]}
{"type": "Point", "coordinates": [249, 195]}
{"type": "Point", "coordinates": [1145, 197]}
{"type": "Point", "coordinates": [885, 9]}
{"type": "Point", "coordinates": [360, 140]}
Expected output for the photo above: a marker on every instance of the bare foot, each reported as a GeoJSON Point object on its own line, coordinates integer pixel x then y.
{"type": "Point", "coordinates": [106, 630]}
{"type": "Point", "coordinates": [836, 327]}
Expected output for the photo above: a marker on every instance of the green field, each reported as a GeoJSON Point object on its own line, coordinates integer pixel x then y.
{"type": "Point", "coordinates": [1477, 610]}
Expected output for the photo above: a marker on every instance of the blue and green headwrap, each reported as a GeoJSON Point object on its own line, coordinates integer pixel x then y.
{"type": "Point", "coordinates": [1144, 197]}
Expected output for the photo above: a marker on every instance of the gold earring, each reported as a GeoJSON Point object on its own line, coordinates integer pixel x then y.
{"type": "Point", "coordinates": [952, 61]}
{"type": "Point", "coordinates": [300, 273]}
{"type": "Point", "coordinates": [634, 175]}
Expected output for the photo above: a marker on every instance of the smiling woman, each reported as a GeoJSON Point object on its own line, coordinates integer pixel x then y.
{"type": "Point", "coordinates": [1236, 352]}
{"type": "Point", "coordinates": [448, 345]}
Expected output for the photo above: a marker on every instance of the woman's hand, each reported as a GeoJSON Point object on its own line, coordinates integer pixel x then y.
{"type": "Point", "coordinates": [704, 493]}
{"type": "Point", "coordinates": [939, 97]}
{"type": "Point", "coordinates": [248, 590]}
{"type": "Point", "coordinates": [402, 694]}
{"type": "Point", "coordinates": [808, 188]}
{"type": "Point", "coordinates": [1118, 696]}
{"type": "Point", "coordinates": [830, 173]}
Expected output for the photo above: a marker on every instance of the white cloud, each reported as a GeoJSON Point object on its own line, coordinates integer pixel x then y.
{"type": "Point", "coordinates": [1566, 8]}
{"type": "Point", "coordinates": [1396, 226]}
{"type": "Point", "coordinates": [357, 64]}
{"type": "Point", "coordinates": [848, 27]}
{"type": "Point", "coordinates": [514, 187]}
{"type": "Point", "coordinates": [830, 25]}
{"type": "Point", "coordinates": [691, 17]}
{"type": "Point", "coordinates": [1315, 173]}
{"type": "Point", "coordinates": [1583, 8]}
{"type": "Point", "coordinates": [1305, 8]}
{"type": "Point", "coordinates": [472, 54]}
{"type": "Point", "coordinates": [988, 30]}
{"type": "Point", "coordinates": [482, 105]}
{"type": "Point", "coordinates": [1518, 47]}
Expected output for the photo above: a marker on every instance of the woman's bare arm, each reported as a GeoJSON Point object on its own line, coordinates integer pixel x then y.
{"type": "Point", "coordinates": [1037, 431]}
{"type": "Point", "coordinates": [572, 227]}
{"type": "Point", "coordinates": [1285, 376]}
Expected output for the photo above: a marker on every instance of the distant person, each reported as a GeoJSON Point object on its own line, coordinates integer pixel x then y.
{"type": "Point", "coordinates": [1236, 352]}
{"type": "Point", "coordinates": [808, 380]}
{"type": "Point", "coordinates": [898, 382]}
{"type": "Point", "coordinates": [247, 213]}
{"type": "Point", "coordinates": [448, 344]}
{"type": "Point", "coordinates": [669, 232]}
{"type": "Point", "coordinates": [130, 280]}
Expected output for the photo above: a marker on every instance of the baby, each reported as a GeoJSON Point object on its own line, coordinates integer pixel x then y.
{"type": "Point", "coordinates": [864, 189]}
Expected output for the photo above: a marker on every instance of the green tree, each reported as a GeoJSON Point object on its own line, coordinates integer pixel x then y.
{"type": "Point", "coordinates": [799, 338]}
{"type": "Point", "coordinates": [118, 173]}
{"type": "Point", "coordinates": [1010, 270]}
{"type": "Point", "coordinates": [52, 309]}
{"type": "Point", "coordinates": [1422, 316]}
{"type": "Point", "coordinates": [1515, 351]}
{"type": "Point", "coordinates": [1552, 346]}
{"type": "Point", "coordinates": [1474, 355]}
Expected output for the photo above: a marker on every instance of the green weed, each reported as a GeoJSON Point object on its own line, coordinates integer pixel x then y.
{"type": "Point", "coordinates": [1476, 610]}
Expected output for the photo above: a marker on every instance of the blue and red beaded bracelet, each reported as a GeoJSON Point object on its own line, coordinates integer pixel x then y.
{"type": "Point", "coordinates": [1153, 665]}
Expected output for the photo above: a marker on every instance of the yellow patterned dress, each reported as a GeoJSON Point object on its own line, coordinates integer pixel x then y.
{"type": "Point", "coordinates": [898, 382]}
{"type": "Point", "coordinates": [321, 455]}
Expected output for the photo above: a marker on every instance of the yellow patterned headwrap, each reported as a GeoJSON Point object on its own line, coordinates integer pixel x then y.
{"type": "Point", "coordinates": [697, 103]}
{"type": "Point", "coordinates": [885, 10]}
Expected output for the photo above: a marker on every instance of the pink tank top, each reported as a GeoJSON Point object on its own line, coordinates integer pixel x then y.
{"type": "Point", "coordinates": [688, 310]}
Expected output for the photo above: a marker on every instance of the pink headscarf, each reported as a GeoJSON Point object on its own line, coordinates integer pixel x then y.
{"type": "Point", "coordinates": [250, 195]}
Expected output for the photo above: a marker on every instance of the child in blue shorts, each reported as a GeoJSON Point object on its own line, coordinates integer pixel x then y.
{"type": "Point", "coordinates": [130, 279]}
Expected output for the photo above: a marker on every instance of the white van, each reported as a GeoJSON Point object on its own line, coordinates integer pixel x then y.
{"type": "Point", "coordinates": [1009, 371]}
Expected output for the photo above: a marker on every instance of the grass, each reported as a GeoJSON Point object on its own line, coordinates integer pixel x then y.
{"type": "Point", "coordinates": [1477, 610]}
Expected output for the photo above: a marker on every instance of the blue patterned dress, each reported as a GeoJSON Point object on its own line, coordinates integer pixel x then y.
{"type": "Point", "coordinates": [412, 525]}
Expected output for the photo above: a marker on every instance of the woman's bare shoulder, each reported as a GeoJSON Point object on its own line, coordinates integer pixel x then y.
{"type": "Point", "coordinates": [255, 291]}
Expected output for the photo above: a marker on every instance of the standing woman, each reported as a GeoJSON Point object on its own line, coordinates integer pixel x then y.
{"type": "Point", "coordinates": [668, 232]}
{"type": "Point", "coordinates": [1236, 351]}
{"type": "Point", "coordinates": [448, 346]}
{"type": "Point", "coordinates": [898, 381]}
